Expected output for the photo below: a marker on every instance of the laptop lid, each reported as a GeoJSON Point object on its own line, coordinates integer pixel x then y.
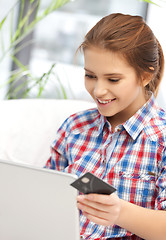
{"type": "Point", "coordinates": [37, 204]}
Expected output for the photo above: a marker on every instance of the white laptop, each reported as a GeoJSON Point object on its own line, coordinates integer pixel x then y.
{"type": "Point", "coordinates": [37, 204]}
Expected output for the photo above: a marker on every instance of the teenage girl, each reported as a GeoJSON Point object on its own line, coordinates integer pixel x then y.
{"type": "Point", "coordinates": [123, 140]}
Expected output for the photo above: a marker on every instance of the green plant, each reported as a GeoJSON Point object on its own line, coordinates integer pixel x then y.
{"type": "Point", "coordinates": [152, 2]}
{"type": "Point", "coordinates": [15, 43]}
{"type": "Point", "coordinates": [148, 1]}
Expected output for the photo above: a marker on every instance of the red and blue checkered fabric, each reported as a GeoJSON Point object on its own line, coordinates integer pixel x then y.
{"type": "Point", "coordinates": [132, 159]}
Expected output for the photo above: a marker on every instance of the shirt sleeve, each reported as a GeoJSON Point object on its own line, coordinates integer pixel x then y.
{"type": "Point", "coordinates": [58, 159]}
{"type": "Point", "coordinates": [161, 184]}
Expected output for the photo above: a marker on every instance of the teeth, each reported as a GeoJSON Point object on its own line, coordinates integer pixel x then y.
{"type": "Point", "coordinates": [104, 102]}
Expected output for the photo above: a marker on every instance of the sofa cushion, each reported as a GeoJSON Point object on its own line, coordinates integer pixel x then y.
{"type": "Point", "coordinates": [28, 127]}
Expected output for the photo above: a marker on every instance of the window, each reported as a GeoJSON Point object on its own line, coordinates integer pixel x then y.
{"type": "Point", "coordinates": [56, 38]}
{"type": "Point", "coordinates": [59, 35]}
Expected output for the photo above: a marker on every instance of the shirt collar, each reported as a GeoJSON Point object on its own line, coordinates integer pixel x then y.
{"type": "Point", "coordinates": [137, 122]}
{"type": "Point", "coordinates": [101, 123]}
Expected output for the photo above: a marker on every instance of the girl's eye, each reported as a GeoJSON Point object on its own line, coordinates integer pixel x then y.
{"type": "Point", "coordinates": [113, 79]}
{"type": "Point", "coordinates": [89, 76]}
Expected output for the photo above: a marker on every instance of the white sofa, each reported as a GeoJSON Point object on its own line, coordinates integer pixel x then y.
{"type": "Point", "coordinates": [28, 127]}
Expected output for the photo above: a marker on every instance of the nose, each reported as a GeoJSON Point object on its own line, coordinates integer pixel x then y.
{"type": "Point", "coordinates": [100, 88]}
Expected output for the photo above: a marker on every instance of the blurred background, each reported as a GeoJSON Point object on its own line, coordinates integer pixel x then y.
{"type": "Point", "coordinates": [43, 63]}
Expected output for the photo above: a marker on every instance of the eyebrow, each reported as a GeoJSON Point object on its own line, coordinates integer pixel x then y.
{"type": "Point", "coordinates": [107, 74]}
{"type": "Point", "coordinates": [88, 70]}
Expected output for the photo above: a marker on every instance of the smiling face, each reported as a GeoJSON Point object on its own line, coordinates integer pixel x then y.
{"type": "Point", "coordinates": [113, 84]}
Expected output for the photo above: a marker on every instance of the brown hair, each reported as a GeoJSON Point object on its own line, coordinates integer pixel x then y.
{"type": "Point", "coordinates": [132, 37]}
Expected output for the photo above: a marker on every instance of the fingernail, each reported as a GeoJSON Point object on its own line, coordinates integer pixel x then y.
{"type": "Point", "coordinates": [80, 197]}
{"type": "Point", "coordinates": [89, 196]}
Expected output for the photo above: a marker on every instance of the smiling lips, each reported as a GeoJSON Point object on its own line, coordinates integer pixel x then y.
{"type": "Point", "coordinates": [105, 101]}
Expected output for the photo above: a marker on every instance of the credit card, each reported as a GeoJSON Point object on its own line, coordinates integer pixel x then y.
{"type": "Point", "coordinates": [89, 183]}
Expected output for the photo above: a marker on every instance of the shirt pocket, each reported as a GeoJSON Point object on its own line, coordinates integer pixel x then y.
{"type": "Point", "coordinates": [138, 188]}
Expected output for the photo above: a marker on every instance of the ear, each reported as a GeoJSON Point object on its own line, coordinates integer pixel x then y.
{"type": "Point", "coordinates": [146, 78]}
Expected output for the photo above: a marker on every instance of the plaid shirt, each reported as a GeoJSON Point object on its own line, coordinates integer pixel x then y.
{"type": "Point", "coordinates": [132, 159]}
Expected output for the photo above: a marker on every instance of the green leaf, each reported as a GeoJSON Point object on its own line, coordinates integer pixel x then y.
{"type": "Point", "coordinates": [55, 5]}
{"type": "Point", "coordinates": [11, 24]}
{"type": "Point", "coordinates": [44, 79]}
{"type": "Point", "coordinates": [22, 22]}
{"type": "Point", "coordinates": [18, 63]}
{"type": "Point", "coordinates": [2, 43]}
{"type": "Point", "coordinates": [2, 22]}
{"type": "Point", "coordinates": [21, 66]}
{"type": "Point", "coordinates": [62, 87]}
{"type": "Point", "coordinates": [148, 1]}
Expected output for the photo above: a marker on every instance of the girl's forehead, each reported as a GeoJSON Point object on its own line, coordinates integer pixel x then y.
{"type": "Point", "coordinates": [96, 52]}
{"type": "Point", "coordinates": [98, 57]}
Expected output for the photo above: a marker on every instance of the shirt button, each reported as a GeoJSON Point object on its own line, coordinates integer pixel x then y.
{"type": "Point", "coordinates": [104, 161]}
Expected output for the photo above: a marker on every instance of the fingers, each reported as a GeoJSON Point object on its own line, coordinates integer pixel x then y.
{"type": "Point", "coordinates": [97, 220]}
{"type": "Point", "coordinates": [92, 210]}
{"type": "Point", "coordinates": [101, 209]}
{"type": "Point", "coordinates": [99, 198]}
{"type": "Point", "coordinates": [95, 215]}
{"type": "Point", "coordinates": [83, 201]}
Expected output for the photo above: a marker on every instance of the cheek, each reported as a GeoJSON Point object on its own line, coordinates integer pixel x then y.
{"type": "Point", "coordinates": [129, 89]}
{"type": "Point", "coordinates": [89, 86]}
{"type": "Point", "coordinates": [129, 93]}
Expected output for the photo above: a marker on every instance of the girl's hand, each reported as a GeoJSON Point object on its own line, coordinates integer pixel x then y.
{"type": "Point", "coordinates": [100, 209]}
